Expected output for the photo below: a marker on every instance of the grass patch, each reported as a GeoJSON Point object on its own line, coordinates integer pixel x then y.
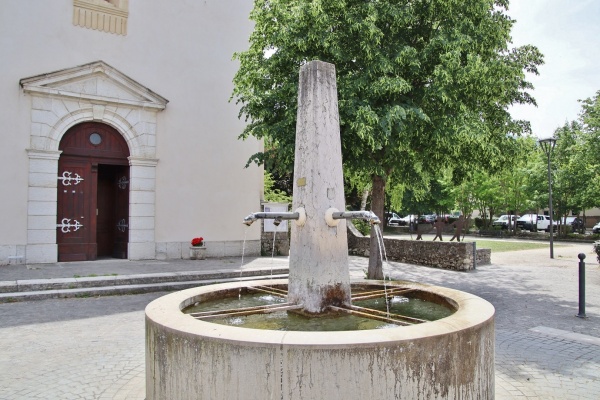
{"type": "Point", "coordinates": [498, 246]}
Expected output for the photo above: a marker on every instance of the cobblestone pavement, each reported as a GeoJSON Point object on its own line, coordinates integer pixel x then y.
{"type": "Point", "coordinates": [542, 365]}
{"type": "Point", "coordinates": [93, 348]}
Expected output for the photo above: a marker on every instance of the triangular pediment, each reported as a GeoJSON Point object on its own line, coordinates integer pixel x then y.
{"type": "Point", "coordinates": [96, 82]}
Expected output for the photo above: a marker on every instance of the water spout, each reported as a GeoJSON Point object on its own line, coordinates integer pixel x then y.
{"type": "Point", "coordinates": [332, 216]}
{"type": "Point", "coordinates": [299, 215]}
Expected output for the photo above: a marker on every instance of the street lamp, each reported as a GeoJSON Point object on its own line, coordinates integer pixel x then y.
{"type": "Point", "coordinates": [548, 145]}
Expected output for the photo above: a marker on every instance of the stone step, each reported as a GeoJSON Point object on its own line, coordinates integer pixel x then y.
{"type": "Point", "coordinates": [131, 284]}
{"type": "Point", "coordinates": [115, 280]}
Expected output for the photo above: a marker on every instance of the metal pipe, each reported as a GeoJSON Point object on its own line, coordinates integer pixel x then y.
{"type": "Point", "coordinates": [368, 216]}
{"type": "Point", "coordinates": [276, 216]}
{"type": "Point", "coordinates": [581, 286]}
{"type": "Point", "coordinates": [550, 207]}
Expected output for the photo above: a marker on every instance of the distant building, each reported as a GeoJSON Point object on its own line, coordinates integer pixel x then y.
{"type": "Point", "coordinates": [592, 217]}
{"type": "Point", "coordinates": [118, 137]}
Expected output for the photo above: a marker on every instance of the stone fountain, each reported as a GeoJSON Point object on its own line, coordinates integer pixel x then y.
{"type": "Point", "coordinates": [187, 358]}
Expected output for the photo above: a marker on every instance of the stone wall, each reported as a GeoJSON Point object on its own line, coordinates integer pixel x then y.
{"type": "Point", "coordinates": [447, 255]}
{"type": "Point", "coordinates": [456, 256]}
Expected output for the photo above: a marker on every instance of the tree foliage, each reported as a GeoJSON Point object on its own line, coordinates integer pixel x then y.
{"type": "Point", "coordinates": [273, 194]}
{"type": "Point", "coordinates": [416, 79]}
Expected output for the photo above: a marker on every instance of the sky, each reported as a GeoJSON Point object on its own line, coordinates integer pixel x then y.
{"type": "Point", "coordinates": [567, 32]}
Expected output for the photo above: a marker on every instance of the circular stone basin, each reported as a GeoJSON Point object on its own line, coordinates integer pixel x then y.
{"type": "Point", "coordinates": [449, 358]}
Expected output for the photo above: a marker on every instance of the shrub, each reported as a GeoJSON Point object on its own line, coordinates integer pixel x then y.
{"type": "Point", "coordinates": [362, 226]}
{"type": "Point", "coordinates": [273, 195]}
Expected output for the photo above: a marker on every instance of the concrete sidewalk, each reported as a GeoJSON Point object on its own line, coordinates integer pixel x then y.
{"type": "Point", "coordinates": [93, 348]}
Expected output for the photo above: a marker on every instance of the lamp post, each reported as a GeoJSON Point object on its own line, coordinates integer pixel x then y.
{"type": "Point", "coordinates": [548, 145]}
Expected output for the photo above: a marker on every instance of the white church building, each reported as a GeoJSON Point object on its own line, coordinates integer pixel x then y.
{"type": "Point", "coordinates": [118, 136]}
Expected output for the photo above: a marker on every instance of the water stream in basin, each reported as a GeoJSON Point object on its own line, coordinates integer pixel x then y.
{"type": "Point", "coordinates": [382, 253]}
{"type": "Point", "coordinates": [243, 253]}
{"type": "Point", "coordinates": [273, 249]}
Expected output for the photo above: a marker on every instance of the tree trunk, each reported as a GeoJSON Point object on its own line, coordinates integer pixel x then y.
{"type": "Point", "coordinates": [363, 201]}
{"type": "Point", "coordinates": [375, 270]}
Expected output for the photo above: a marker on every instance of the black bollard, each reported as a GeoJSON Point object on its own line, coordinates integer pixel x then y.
{"type": "Point", "coordinates": [581, 286]}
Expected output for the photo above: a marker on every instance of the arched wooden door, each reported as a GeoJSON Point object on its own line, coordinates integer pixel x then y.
{"type": "Point", "coordinates": [93, 194]}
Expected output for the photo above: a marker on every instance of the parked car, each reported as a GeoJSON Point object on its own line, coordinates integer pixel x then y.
{"type": "Point", "coordinates": [393, 219]}
{"type": "Point", "coordinates": [408, 220]}
{"type": "Point", "coordinates": [427, 219]}
{"type": "Point", "coordinates": [596, 228]}
{"type": "Point", "coordinates": [502, 222]}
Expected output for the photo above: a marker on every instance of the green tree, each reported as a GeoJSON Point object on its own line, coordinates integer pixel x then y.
{"type": "Point", "coordinates": [422, 85]}
{"type": "Point", "coordinates": [464, 198]}
{"type": "Point", "coordinates": [514, 178]}
{"type": "Point", "coordinates": [576, 162]}
{"type": "Point", "coordinates": [567, 171]}
{"type": "Point", "coordinates": [590, 151]}
{"type": "Point", "coordinates": [487, 194]}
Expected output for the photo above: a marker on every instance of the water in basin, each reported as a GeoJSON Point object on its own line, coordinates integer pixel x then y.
{"type": "Point", "coordinates": [291, 321]}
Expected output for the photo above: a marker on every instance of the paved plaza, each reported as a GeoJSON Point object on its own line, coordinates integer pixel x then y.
{"type": "Point", "coordinates": [93, 348]}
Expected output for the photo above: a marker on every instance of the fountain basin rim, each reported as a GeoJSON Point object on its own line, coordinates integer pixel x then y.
{"type": "Point", "coordinates": [166, 311]}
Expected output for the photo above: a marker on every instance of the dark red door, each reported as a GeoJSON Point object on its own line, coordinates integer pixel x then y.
{"type": "Point", "coordinates": [76, 228]}
{"type": "Point", "coordinates": [93, 194]}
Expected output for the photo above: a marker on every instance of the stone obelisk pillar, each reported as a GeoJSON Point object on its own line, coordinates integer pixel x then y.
{"type": "Point", "coordinates": [319, 274]}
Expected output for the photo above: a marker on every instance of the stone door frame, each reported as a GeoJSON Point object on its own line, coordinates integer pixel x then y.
{"type": "Point", "coordinates": [91, 92]}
